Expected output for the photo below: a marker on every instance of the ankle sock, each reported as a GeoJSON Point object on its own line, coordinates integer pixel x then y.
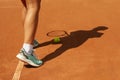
{"type": "Point", "coordinates": [28, 48]}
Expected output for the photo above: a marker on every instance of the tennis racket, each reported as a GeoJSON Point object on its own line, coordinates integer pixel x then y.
{"type": "Point", "coordinates": [57, 33]}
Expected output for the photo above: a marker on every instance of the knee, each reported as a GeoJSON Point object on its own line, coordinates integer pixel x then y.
{"type": "Point", "coordinates": [34, 7]}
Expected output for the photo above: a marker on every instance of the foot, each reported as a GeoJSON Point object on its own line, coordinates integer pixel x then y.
{"type": "Point", "coordinates": [29, 58]}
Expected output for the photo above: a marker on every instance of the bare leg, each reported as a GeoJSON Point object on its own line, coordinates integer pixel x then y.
{"type": "Point", "coordinates": [24, 11]}
{"type": "Point", "coordinates": [30, 19]}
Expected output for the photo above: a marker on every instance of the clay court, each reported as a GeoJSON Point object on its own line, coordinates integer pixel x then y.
{"type": "Point", "coordinates": [91, 52]}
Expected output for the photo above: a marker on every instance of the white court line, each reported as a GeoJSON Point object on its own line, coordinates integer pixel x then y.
{"type": "Point", "coordinates": [18, 71]}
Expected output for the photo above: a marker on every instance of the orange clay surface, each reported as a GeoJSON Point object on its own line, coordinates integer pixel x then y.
{"type": "Point", "coordinates": [86, 54]}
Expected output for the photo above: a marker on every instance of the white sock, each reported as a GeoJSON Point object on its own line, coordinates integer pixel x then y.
{"type": "Point", "coordinates": [28, 48]}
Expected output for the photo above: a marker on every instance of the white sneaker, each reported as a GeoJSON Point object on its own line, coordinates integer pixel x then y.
{"type": "Point", "coordinates": [29, 58]}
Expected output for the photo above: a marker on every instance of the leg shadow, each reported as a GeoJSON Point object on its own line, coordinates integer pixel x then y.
{"type": "Point", "coordinates": [75, 39]}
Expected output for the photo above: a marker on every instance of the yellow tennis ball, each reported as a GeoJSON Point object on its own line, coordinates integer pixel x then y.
{"type": "Point", "coordinates": [57, 39]}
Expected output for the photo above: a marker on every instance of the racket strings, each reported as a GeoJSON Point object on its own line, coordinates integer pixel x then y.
{"type": "Point", "coordinates": [57, 33]}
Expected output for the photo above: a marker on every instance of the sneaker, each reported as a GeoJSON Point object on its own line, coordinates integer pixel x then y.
{"type": "Point", "coordinates": [35, 43]}
{"type": "Point", "coordinates": [29, 58]}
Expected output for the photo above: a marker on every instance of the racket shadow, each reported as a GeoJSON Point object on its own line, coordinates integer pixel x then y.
{"type": "Point", "coordinates": [75, 39]}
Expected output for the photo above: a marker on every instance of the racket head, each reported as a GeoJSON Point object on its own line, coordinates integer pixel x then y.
{"type": "Point", "coordinates": [57, 33]}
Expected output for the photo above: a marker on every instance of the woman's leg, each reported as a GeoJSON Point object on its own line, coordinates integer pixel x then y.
{"type": "Point", "coordinates": [31, 20]}
{"type": "Point", "coordinates": [24, 11]}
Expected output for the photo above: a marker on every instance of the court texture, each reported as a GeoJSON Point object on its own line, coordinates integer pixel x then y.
{"type": "Point", "coordinates": [90, 52]}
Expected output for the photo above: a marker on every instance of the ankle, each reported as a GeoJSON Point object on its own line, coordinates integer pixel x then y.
{"type": "Point", "coordinates": [28, 48]}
